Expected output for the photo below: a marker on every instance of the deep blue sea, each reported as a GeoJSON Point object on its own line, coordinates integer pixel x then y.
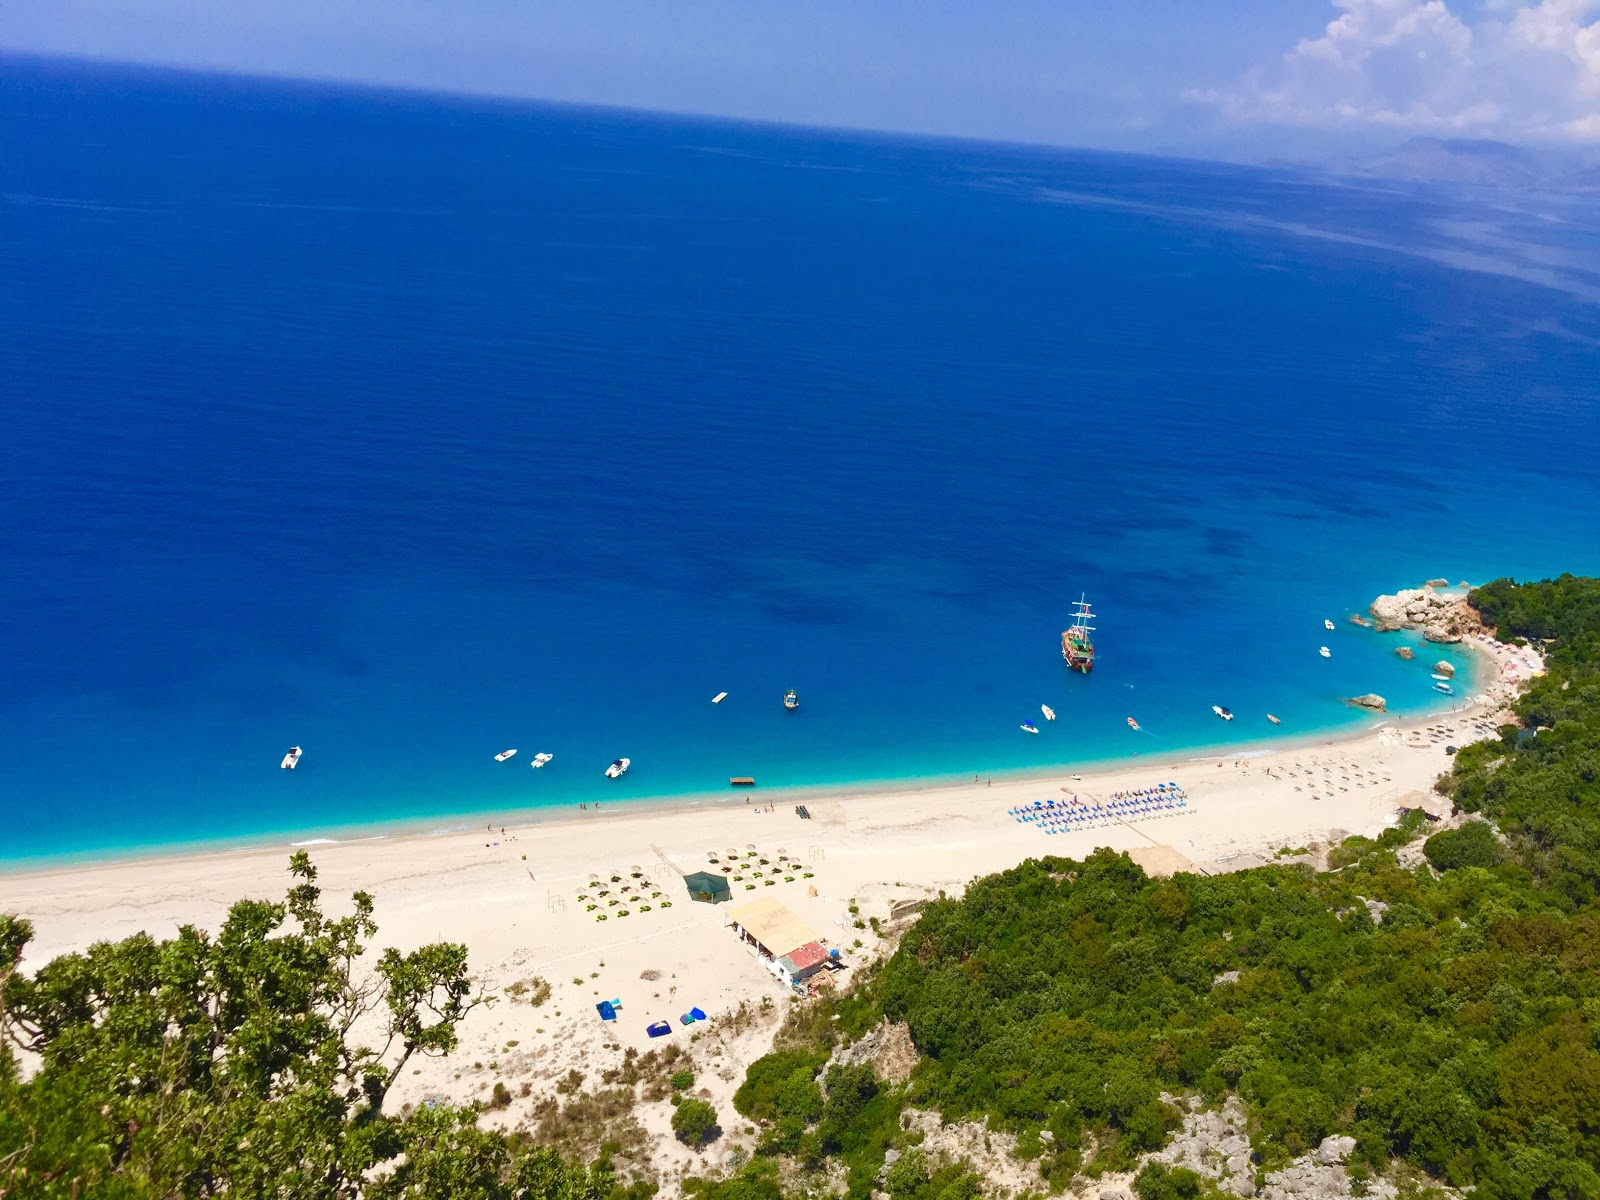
{"type": "Point", "coordinates": [410, 429]}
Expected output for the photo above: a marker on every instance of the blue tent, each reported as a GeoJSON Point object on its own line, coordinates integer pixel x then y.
{"type": "Point", "coordinates": [697, 1013]}
{"type": "Point", "coordinates": [658, 1029]}
{"type": "Point", "coordinates": [607, 1010]}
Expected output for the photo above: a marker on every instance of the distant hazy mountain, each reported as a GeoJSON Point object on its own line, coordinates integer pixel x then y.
{"type": "Point", "coordinates": [1479, 161]}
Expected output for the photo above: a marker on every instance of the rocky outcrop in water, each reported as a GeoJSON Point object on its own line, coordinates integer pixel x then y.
{"type": "Point", "coordinates": [1441, 618]}
{"type": "Point", "coordinates": [1444, 668]}
{"type": "Point", "coordinates": [1405, 652]}
{"type": "Point", "coordinates": [1371, 700]}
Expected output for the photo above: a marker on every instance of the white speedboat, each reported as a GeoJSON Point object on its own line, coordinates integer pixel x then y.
{"type": "Point", "coordinates": [1274, 719]}
{"type": "Point", "coordinates": [1222, 712]}
{"type": "Point", "coordinates": [1324, 651]}
{"type": "Point", "coordinates": [291, 760]}
{"type": "Point", "coordinates": [1049, 713]}
{"type": "Point", "coordinates": [1029, 727]}
{"type": "Point", "coordinates": [1327, 624]}
{"type": "Point", "coordinates": [505, 754]}
{"type": "Point", "coordinates": [539, 760]}
{"type": "Point", "coordinates": [1441, 678]}
{"type": "Point", "coordinates": [1445, 688]}
{"type": "Point", "coordinates": [619, 768]}
{"type": "Point", "coordinates": [719, 697]}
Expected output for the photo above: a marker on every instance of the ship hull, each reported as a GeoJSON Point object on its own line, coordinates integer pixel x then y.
{"type": "Point", "coordinates": [1079, 657]}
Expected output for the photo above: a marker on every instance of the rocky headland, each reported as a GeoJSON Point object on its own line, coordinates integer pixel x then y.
{"type": "Point", "coordinates": [1442, 617]}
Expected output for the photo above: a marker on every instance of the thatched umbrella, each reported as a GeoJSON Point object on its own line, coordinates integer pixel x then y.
{"type": "Point", "coordinates": [750, 846]}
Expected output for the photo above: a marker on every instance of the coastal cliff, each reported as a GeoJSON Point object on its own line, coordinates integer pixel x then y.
{"type": "Point", "coordinates": [1441, 618]}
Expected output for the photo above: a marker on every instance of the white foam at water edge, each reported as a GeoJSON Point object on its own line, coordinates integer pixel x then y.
{"type": "Point", "coordinates": [317, 842]}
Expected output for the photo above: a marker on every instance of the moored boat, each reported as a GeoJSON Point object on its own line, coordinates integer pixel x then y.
{"type": "Point", "coordinates": [1442, 678]}
{"type": "Point", "coordinates": [619, 768]}
{"type": "Point", "coordinates": [1222, 712]}
{"type": "Point", "coordinates": [719, 697]}
{"type": "Point", "coordinates": [1274, 719]}
{"type": "Point", "coordinates": [1324, 651]}
{"type": "Point", "coordinates": [505, 754]}
{"type": "Point", "coordinates": [1133, 725]}
{"type": "Point", "coordinates": [291, 760]}
{"type": "Point", "coordinates": [1029, 727]}
{"type": "Point", "coordinates": [1327, 624]}
{"type": "Point", "coordinates": [1076, 645]}
{"type": "Point", "coordinates": [1445, 688]}
{"type": "Point", "coordinates": [539, 760]}
{"type": "Point", "coordinates": [791, 699]}
{"type": "Point", "coordinates": [1049, 713]}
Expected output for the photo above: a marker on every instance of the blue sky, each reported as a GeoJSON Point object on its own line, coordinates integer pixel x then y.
{"type": "Point", "coordinates": [1266, 78]}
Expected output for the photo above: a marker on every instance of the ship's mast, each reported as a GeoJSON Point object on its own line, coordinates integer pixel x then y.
{"type": "Point", "coordinates": [1081, 621]}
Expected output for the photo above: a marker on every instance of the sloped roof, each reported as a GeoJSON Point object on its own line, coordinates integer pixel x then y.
{"type": "Point", "coordinates": [803, 958]}
{"type": "Point", "coordinates": [705, 881]}
{"type": "Point", "coordinates": [773, 925]}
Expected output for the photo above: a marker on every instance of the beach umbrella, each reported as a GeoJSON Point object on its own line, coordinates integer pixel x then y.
{"type": "Point", "coordinates": [711, 856]}
{"type": "Point", "coordinates": [750, 846]}
{"type": "Point", "coordinates": [593, 878]}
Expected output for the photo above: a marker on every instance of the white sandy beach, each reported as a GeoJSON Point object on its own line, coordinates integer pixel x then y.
{"type": "Point", "coordinates": [513, 897]}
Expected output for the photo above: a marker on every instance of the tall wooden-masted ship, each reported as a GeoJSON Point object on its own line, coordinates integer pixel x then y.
{"type": "Point", "coordinates": [1076, 646]}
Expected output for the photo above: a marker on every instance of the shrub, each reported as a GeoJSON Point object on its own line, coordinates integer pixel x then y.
{"type": "Point", "coordinates": [1472, 845]}
{"type": "Point", "coordinates": [694, 1122]}
{"type": "Point", "coordinates": [682, 1081]}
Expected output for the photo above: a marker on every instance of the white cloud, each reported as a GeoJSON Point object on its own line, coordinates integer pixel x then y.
{"type": "Point", "coordinates": [1518, 70]}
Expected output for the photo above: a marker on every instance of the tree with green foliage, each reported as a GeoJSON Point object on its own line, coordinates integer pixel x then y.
{"type": "Point", "coordinates": [203, 1065]}
{"type": "Point", "coordinates": [694, 1122]}
{"type": "Point", "coordinates": [1469, 845]}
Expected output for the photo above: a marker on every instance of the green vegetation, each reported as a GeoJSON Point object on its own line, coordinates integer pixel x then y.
{"type": "Point", "coordinates": [693, 1122]}
{"type": "Point", "coordinates": [1447, 1015]}
{"type": "Point", "coordinates": [200, 1066]}
{"type": "Point", "coordinates": [1470, 845]}
{"type": "Point", "coordinates": [1444, 1014]}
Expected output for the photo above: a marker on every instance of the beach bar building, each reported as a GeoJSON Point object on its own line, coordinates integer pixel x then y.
{"type": "Point", "coordinates": [708, 888]}
{"type": "Point", "coordinates": [784, 943]}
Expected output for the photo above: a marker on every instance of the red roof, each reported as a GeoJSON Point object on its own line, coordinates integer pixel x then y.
{"type": "Point", "coordinates": [805, 957]}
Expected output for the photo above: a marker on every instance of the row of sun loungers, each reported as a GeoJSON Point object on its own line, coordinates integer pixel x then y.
{"type": "Point", "coordinates": [1144, 804]}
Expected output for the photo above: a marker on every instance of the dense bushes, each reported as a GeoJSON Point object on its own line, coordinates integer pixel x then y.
{"type": "Point", "coordinates": [1457, 1030]}
{"type": "Point", "coordinates": [1470, 845]}
{"type": "Point", "coordinates": [694, 1122]}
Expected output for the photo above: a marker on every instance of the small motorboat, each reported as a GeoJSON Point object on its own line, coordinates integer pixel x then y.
{"type": "Point", "coordinates": [1324, 651]}
{"type": "Point", "coordinates": [291, 760]}
{"type": "Point", "coordinates": [1445, 688]}
{"type": "Point", "coordinates": [505, 754]}
{"type": "Point", "coordinates": [1049, 713]}
{"type": "Point", "coordinates": [1029, 727]}
{"type": "Point", "coordinates": [539, 760]}
{"type": "Point", "coordinates": [1274, 719]}
{"type": "Point", "coordinates": [1224, 713]}
{"type": "Point", "coordinates": [719, 697]}
{"type": "Point", "coordinates": [1133, 725]}
{"type": "Point", "coordinates": [791, 699]}
{"type": "Point", "coordinates": [619, 768]}
{"type": "Point", "coordinates": [1442, 678]}
{"type": "Point", "coordinates": [1327, 624]}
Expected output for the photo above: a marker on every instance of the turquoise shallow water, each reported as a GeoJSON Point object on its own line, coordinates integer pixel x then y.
{"type": "Point", "coordinates": [410, 429]}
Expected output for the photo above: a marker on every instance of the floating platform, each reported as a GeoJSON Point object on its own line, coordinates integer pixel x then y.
{"type": "Point", "coordinates": [741, 781]}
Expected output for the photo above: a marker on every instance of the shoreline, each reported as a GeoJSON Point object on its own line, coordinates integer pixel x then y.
{"type": "Point", "coordinates": [1486, 674]}
{"type": "Point", "coordinates": [409, 830]}
{"type": "Point", "coordinates": [525, 903]}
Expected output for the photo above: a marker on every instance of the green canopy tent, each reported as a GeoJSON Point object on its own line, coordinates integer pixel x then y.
{"type": "Point", "coordinates": [708, 888]}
